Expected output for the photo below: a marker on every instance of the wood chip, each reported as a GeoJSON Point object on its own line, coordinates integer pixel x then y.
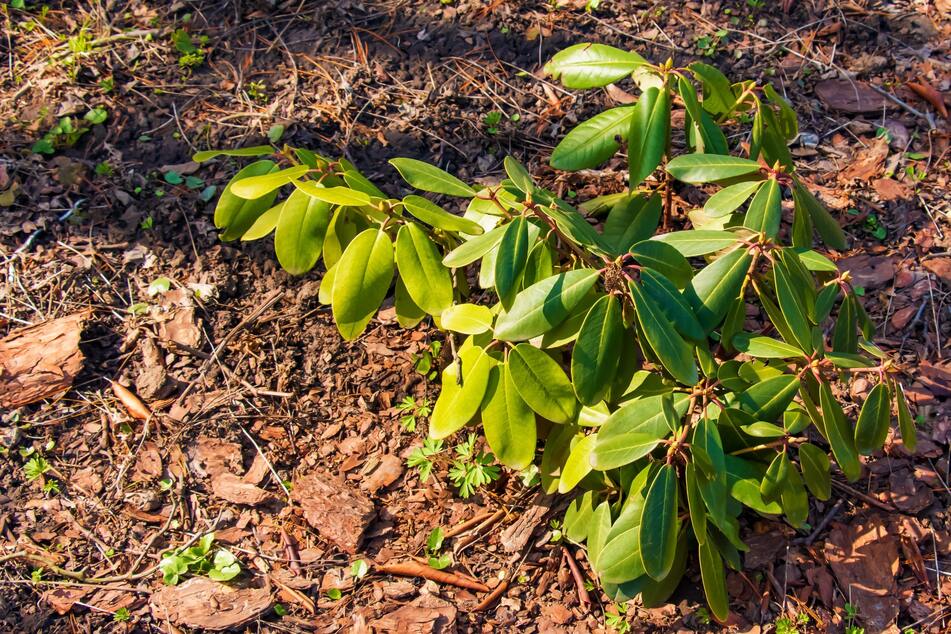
{"type": "Point", "coordinates": [40, 361]}
{"type": "Point", "coordinates": [203, 603]}
{"type": "Point", "coordinates": [426, 615]}
{"type": "Point", "coordinates": [388, 471]}
{"type": "Point", "coordinates": [339, 513]}
{"type": "Point", "coordinates": [231, 488]}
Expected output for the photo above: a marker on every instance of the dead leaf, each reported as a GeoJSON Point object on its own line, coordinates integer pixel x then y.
{"type": "Point", "coordinates": [864, 557]}
{"type": "Point", "coordinates": [257, 471]}
{"type": "Point", "coordinates": [888, 189]}
{"type": "Point", "coordinates": [940, 267]}
{"type": "Point", "coordinates": [63, 599]}
{"type": "Point", "coordinates": [339, 513]}
{"type": "Point", "coordinates": [176, 318]}
{"type": "Point", "coordinates": [850, 96]}
{"type": "Point", "coordinates": [133, 404]}
{"type": "Point", "coordinates": [907, 493]}
{"type": "Point", "coordinates": [928, 92]}
{"type": "Point", "coordinates": [869, 271]}
{"type": "Point", "coordinates": [40, 361]}
{"type": "Point", "coordinates": [427, 614]}
{"type": "Point", "coordinates": [620, 96]}
{"type": "Point", "coordinates": [868, 162]}
{"type": "Point", "coordinates": [148, 463]}
{"type": "Point", "coordinates": [215, 456]}
{"type": "Point", "coordinates": [231, 488]}
{"type": "Point", "coordinates": [936, 377]}
{"type": "Point", "coordinates": [203, 603]}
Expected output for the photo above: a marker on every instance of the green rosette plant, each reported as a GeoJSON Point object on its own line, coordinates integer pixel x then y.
{"type": "Point", "coordinates": [667, 380]}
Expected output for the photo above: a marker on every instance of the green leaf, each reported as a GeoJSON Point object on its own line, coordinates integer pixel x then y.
{"type": "Point", "coordinates": [619, 560]}
{"type": "Point", "coordinates": [659, 524]}
{"type": "Point", "coordinates": [300, 231]}
{"type": "Point", "coordinates": [593, 141]}
{"type": "Point", "coordinates": [235, 215]}
{"type": "Point", "coordinates": [633, 431]}
{"type": "Point", "coordinates": [775, 478]}
{"type": "Point", "coordinates": [836, 430]}
{"type": "Point", "coordinates": [703, 134]}
{"type": "Point", "coordinates": [717, 287]}
{"type": "Point", "coordinates": [544, 305]}
{"type": "Point", "coordinates": [815, 470]}
{"type": "Point", "coordinates": [408, 314]}
{"type": "Point", "coordinates": [474, 248]}
{"type": "Point", "coordinates": [674, 353]}
{"type": "Point", "coordinates": [825, 224]}
{"type": "Point", "coordinates": [768, 399]}
{"type": "Point", "coordinates": [816, 261]}
{"type": "Point", "coordinates": [906, 424]}
{"type": "Point", "coordinates": [256, 186]}
{"type": "Point", "coordinates": [579, 516]}
{"type": "Point", "coordinates": [729, 199]}
{"type": "Point", "coordinates": [765, 212]}
{"type": "Point", "coordinates": [363, 276]}
{"type": "Point", "coordinates": [519, 175]}
{"type": "Point", "coordinates": [511, 259]}
{"type": "Point", "coordinates": [694, 242]}
{"type": "Point", "coordinates": [791, 305]}
{"type": "Point", "coordinates": [764, 430]}
{"type": "Point", "coordinates": [594, 358]}
{"type": "Point", "coordinates": [427, 280]}
{"type": "Point", "coordinates": [650, 131]}
{"type": "Point", "coordinates": [871, 429]}
{"type": "Point", "coordinates": [325, 292]}
{"type": "Point", "coordinates": [507, 421]}
{"type": "Point", "coordinates": [591, 65]}
{"type": "Point", "coordinates": [713, 576]}
{"type": "Point", "coordinates": [335, 195]}
{"type": "Point", "coordinates": [633, 219]}
{"type": "Point", "coordinates": [358, 182]}
{"type": "Point", "coordinates": [462, 391]}
{"type": "Point", "coordinates": [469, 319]}
{"type": "Point", "coordinates": [430, 178]}
{"type": "Point", "coordinates": [672, 303]}
{"type": "Point", "coordinates": [542, 383]}
{"type": "Point", "coordinates": [264, 225]}
{"type": "Point", "coordinates": [578, 464]}
{"type": "Point", "coordinates": [706, 168]}
{"type": "Point", "coordinates": [718, 95]}
{"type": "Point", "coordinates": [765, 347]}
{"type": "Point", "coordinates": [597, 532]}
{"type": "Point", "coordinates": [432, 214]}
{"type": "Point", "coordinates": [794, 499]}
{"type": "Point", "coordinates": [695, 504]}
{"type": "Point", "coordinates": [257, 150]}
{"type": "Point", "coordinates": [665, 259]}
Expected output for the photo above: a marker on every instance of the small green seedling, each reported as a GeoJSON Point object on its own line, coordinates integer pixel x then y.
{"type": "Point", "coordinates": [198, 560]}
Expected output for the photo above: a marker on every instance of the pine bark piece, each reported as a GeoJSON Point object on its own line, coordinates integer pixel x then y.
{"type": "Point", "coordinates": [203, 603]}
{"type": "Point", "coordinates": [40, 361]}
{"type": "Point", "coordinates": [231, 488]}
{"type": "Point", "coordinates": [339, 513]}
{"type": "Point", "coordinates": [427, 614]}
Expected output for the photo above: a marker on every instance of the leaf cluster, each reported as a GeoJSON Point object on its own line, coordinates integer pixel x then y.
{"type": "Point", "coordinates": [221, 565]}
{"type": "Point", "coordinates": [667, 380]}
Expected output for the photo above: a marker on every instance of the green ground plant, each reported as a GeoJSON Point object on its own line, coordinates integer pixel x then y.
{"type": "Point", "coordinates": [666, 380]}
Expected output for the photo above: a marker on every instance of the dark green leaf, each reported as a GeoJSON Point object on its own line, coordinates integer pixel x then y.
{"type": "Point", "coordinates": [672, 303]}
{"type": "Point", "coordinates": [430, 178]}
{"type": "Point", "coordinates": [708, 168]}
{"type": "Point", "coordinates": [542, 383]}
{"type": "Point", "coordinates": [717, 287]}
{"type": "Point", "coordinates": [713, 576]}
{"type": "Point", "coordinates": [768, 399]}
{"type": "Point", "coordinates": [665, 259]}
{"type": "Point", "coordinates": [694, 242]}
{"type": "Point", "coordinates": [593, 141]}
{"type": "Point", "coordinates": [650, 131]}
{"type": "Point", "coordinates": [825, 224]}
{"type": "Point", "coordinates": [592, 65]}
{"type": "Point", "coordinates": [775, 478]}
{"type": "Point", "coordinates": [765, 212]}
{"type": "Point", "coordinates": [837, 432]}
{"type": "Point", "coordinates": [633, 219]}
{"type": "Point", "coordinates": [765, 347]}
{"type": "Point", "coordinates": [544, 305]}
{"type": "Point", "coordinates": [508, 422]}
{"type": "Point", "coordinates": [674, 353]}
{"type": "Point", "coordinates": [594, 358]}
{"type": "Point", "coordinates": [659, 524]}
{"type": "Point", "coordinates": [871, 429]}
{"type": "Point", "coordinates": [815, 469]}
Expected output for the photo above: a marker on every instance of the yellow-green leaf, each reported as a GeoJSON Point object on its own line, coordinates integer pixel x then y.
{"type": "Point", "coordinates": [508, 422]}
{"type": "Point", "coordinates": [427, 280]}
{"type": "Point", "coordinates": [364, 274]}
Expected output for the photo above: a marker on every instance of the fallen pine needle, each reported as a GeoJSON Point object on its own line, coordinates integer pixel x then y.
{"type": "Point", "coordinates": [493, 596]}
{"type": "Point", "coordinates": [415, 569]}
{"type": "Point", "coordinates": [136, 408]}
